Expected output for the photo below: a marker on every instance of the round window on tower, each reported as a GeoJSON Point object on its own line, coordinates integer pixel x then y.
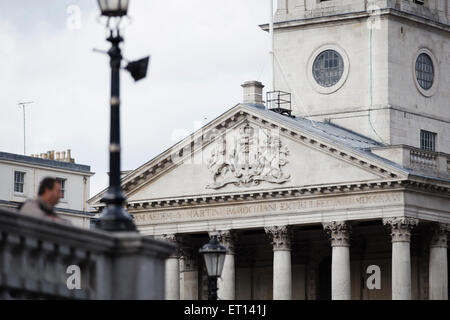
{"type": "Point", "coordinates": [328, 68]}
{"type": "Point", "coordinates": [425, 71]}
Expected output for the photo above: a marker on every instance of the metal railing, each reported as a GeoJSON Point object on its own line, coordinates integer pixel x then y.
{"type": "Point", "coordinates": [279, 102]}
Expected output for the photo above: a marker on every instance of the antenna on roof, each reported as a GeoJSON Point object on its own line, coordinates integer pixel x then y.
{"type": "Point", "coordinates": [272, 48]}
{"type": "Point", "coordinates": [277, 101]}
{"type": "Point", "coordinates": [23, 105]}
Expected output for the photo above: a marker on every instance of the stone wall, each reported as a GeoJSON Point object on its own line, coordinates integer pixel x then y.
{"type": "Point", "coordinates": [40, 259]}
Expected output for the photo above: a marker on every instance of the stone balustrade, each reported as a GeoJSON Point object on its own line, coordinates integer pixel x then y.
{"type": "Point", "coordinates": [40, 259]}
{"type": "Point", "coordinates": [423, 159]}
{"type": "Point", "coordinates": [436, 163]}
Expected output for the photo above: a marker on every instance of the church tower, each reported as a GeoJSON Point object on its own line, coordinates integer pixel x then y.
{"type": "Point", "coordinates": [380, 68]}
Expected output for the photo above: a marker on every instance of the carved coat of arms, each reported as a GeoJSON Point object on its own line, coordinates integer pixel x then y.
{"type": "Point", "coordinates": [251, 160]}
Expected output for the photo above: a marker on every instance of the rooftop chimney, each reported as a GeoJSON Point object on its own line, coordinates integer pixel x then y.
{"type": "Point", "coordinates": [69, 156]}
{"type": "Point", "coordinates": [253, 92]}
{"type": "Point", "coordinates": [64, 156]}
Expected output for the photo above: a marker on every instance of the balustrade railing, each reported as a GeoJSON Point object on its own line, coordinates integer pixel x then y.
{"type": "Point", "coordinates": [429, 162]}
{"type": "Point", "coordinates": [424, 159]}
{"type": "Point", "coordinates": [41, 259]}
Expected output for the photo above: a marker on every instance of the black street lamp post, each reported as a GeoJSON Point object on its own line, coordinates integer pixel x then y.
{"type": "Point", "coordinates": [115, 217]}
{"type": "Point", "coordinates": [214, 255]}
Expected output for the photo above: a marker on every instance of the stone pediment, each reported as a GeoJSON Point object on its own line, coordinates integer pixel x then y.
{"type": "Point", "coordinates": [248, 149]}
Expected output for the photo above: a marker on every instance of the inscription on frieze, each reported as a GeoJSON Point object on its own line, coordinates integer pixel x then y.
{"type": "Point", "coordinates": [268, 208]}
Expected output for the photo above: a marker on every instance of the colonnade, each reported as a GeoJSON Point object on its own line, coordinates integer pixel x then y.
{"type": "Point", "coordinates": [340, 234]}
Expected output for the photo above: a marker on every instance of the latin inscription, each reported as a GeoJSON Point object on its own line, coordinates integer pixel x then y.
{"type": "Point", "coordinates": [280, 207]}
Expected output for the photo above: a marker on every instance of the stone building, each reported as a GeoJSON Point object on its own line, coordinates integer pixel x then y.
{"type": "Point", "coordinates": [339, 185]}
{"type": "Point", "coordinates": [21, 176]}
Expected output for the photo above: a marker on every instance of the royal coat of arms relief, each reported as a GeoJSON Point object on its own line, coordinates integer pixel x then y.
{"type": "Point", "coordinates": [254, 156]}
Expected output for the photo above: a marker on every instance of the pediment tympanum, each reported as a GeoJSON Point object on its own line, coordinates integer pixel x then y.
{"type": "Point", "coordinates": [250, 157]}
{"type": "Point", "coordinates": [246, 150]}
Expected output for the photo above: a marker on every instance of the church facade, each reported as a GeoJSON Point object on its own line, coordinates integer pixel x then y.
{"type": "Point", "coordinates": [342, 192]}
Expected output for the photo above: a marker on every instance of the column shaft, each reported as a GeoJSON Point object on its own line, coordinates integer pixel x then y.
{"type": "Point", "coordinates": [340, 263]}
{"type": "Point", "coordinates": [172, 270]}
{"type": "Point", "coordinates": [340, 274]}
{"type": "Point", "coordinates": [226, 283]}
{"type": "Point", "coordinates": [282, 269]}
{"type": "Point", "coordinates": [438, 274]}
{"type": "Point", "coordinates": [282, 275]}
{"type": "Point", "coordinates": [401, 255]}
{"type": "Point", "coordinates": [401, 271]}
{"type": "Point", "coordinates": [190, 277]}
{"type": "Point", "coordinates": [438, 268]}
{"type": "Point", "coordinates": [172, 278]}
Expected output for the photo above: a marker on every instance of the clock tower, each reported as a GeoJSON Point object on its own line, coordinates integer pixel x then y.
{"type": "Point", "coordinates": [380, 68]}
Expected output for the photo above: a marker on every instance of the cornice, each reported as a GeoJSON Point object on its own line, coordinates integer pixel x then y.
{"type": "Point", "coordinates": [434, 185]}
{"type": "Point", "coordinates": [47, 168]}
{"type": "Point", "coordinates": [266, 195]}
{"type": "Point", "coordinates": [342, 17]}
{"type": "Point", "coordinates": [288, 194]}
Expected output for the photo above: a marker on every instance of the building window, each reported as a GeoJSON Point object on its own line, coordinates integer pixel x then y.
{"type": "Point", "coordinates": [328, 68]}
{"type": "Point", "coordinates": [63, 187]}
{"type": "Point", "coordinates": [19, 181]}
{"type": "Point", "coordinates": [428, 140]}
{"type": "Point", "coordinates": [425, 71]}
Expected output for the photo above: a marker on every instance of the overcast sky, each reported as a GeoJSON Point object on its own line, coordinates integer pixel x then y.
{"type": "Point", "coordinates": [202, 51]}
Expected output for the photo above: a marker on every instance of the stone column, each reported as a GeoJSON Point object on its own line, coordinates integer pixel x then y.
{"type": "Point", "coordinates": [340, 261]}
{"type": "Point", "coordinates": [438, 271]}
{"type": "Point", "coordinates": [172, 278]}
{"type": "Point", "coordinates": [282, 273]}
{"type": "Point", "coordinates": [401, 255]}
{"type": "Point", "coordinates": [190, 273]}
{"type": "Point", "coordinates": [226, 283]}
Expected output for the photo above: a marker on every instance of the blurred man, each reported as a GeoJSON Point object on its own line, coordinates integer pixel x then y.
{"type": "Point", "coordinates": [48, 196]}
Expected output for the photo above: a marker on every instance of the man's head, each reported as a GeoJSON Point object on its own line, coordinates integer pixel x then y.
{"type": "Point", "coordinates": [50, 191]}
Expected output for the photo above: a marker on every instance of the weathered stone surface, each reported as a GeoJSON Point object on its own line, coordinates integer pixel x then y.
{"type": "Point", "coordinates": [112, 265]}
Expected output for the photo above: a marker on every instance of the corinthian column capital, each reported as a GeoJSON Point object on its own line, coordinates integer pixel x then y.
{"type": "Point", "coordinates": [227, 238]}
{"type": "Point", "coordinates": [173, 239]}
{"type": "Point", "coordinates": [401, 228]}
{"type": "Point", "coordinates": [339, 232]}
{"type": "Point", "coordinates": [280, 236]}
{"type": "Point", "coordinates": [439, 235]}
